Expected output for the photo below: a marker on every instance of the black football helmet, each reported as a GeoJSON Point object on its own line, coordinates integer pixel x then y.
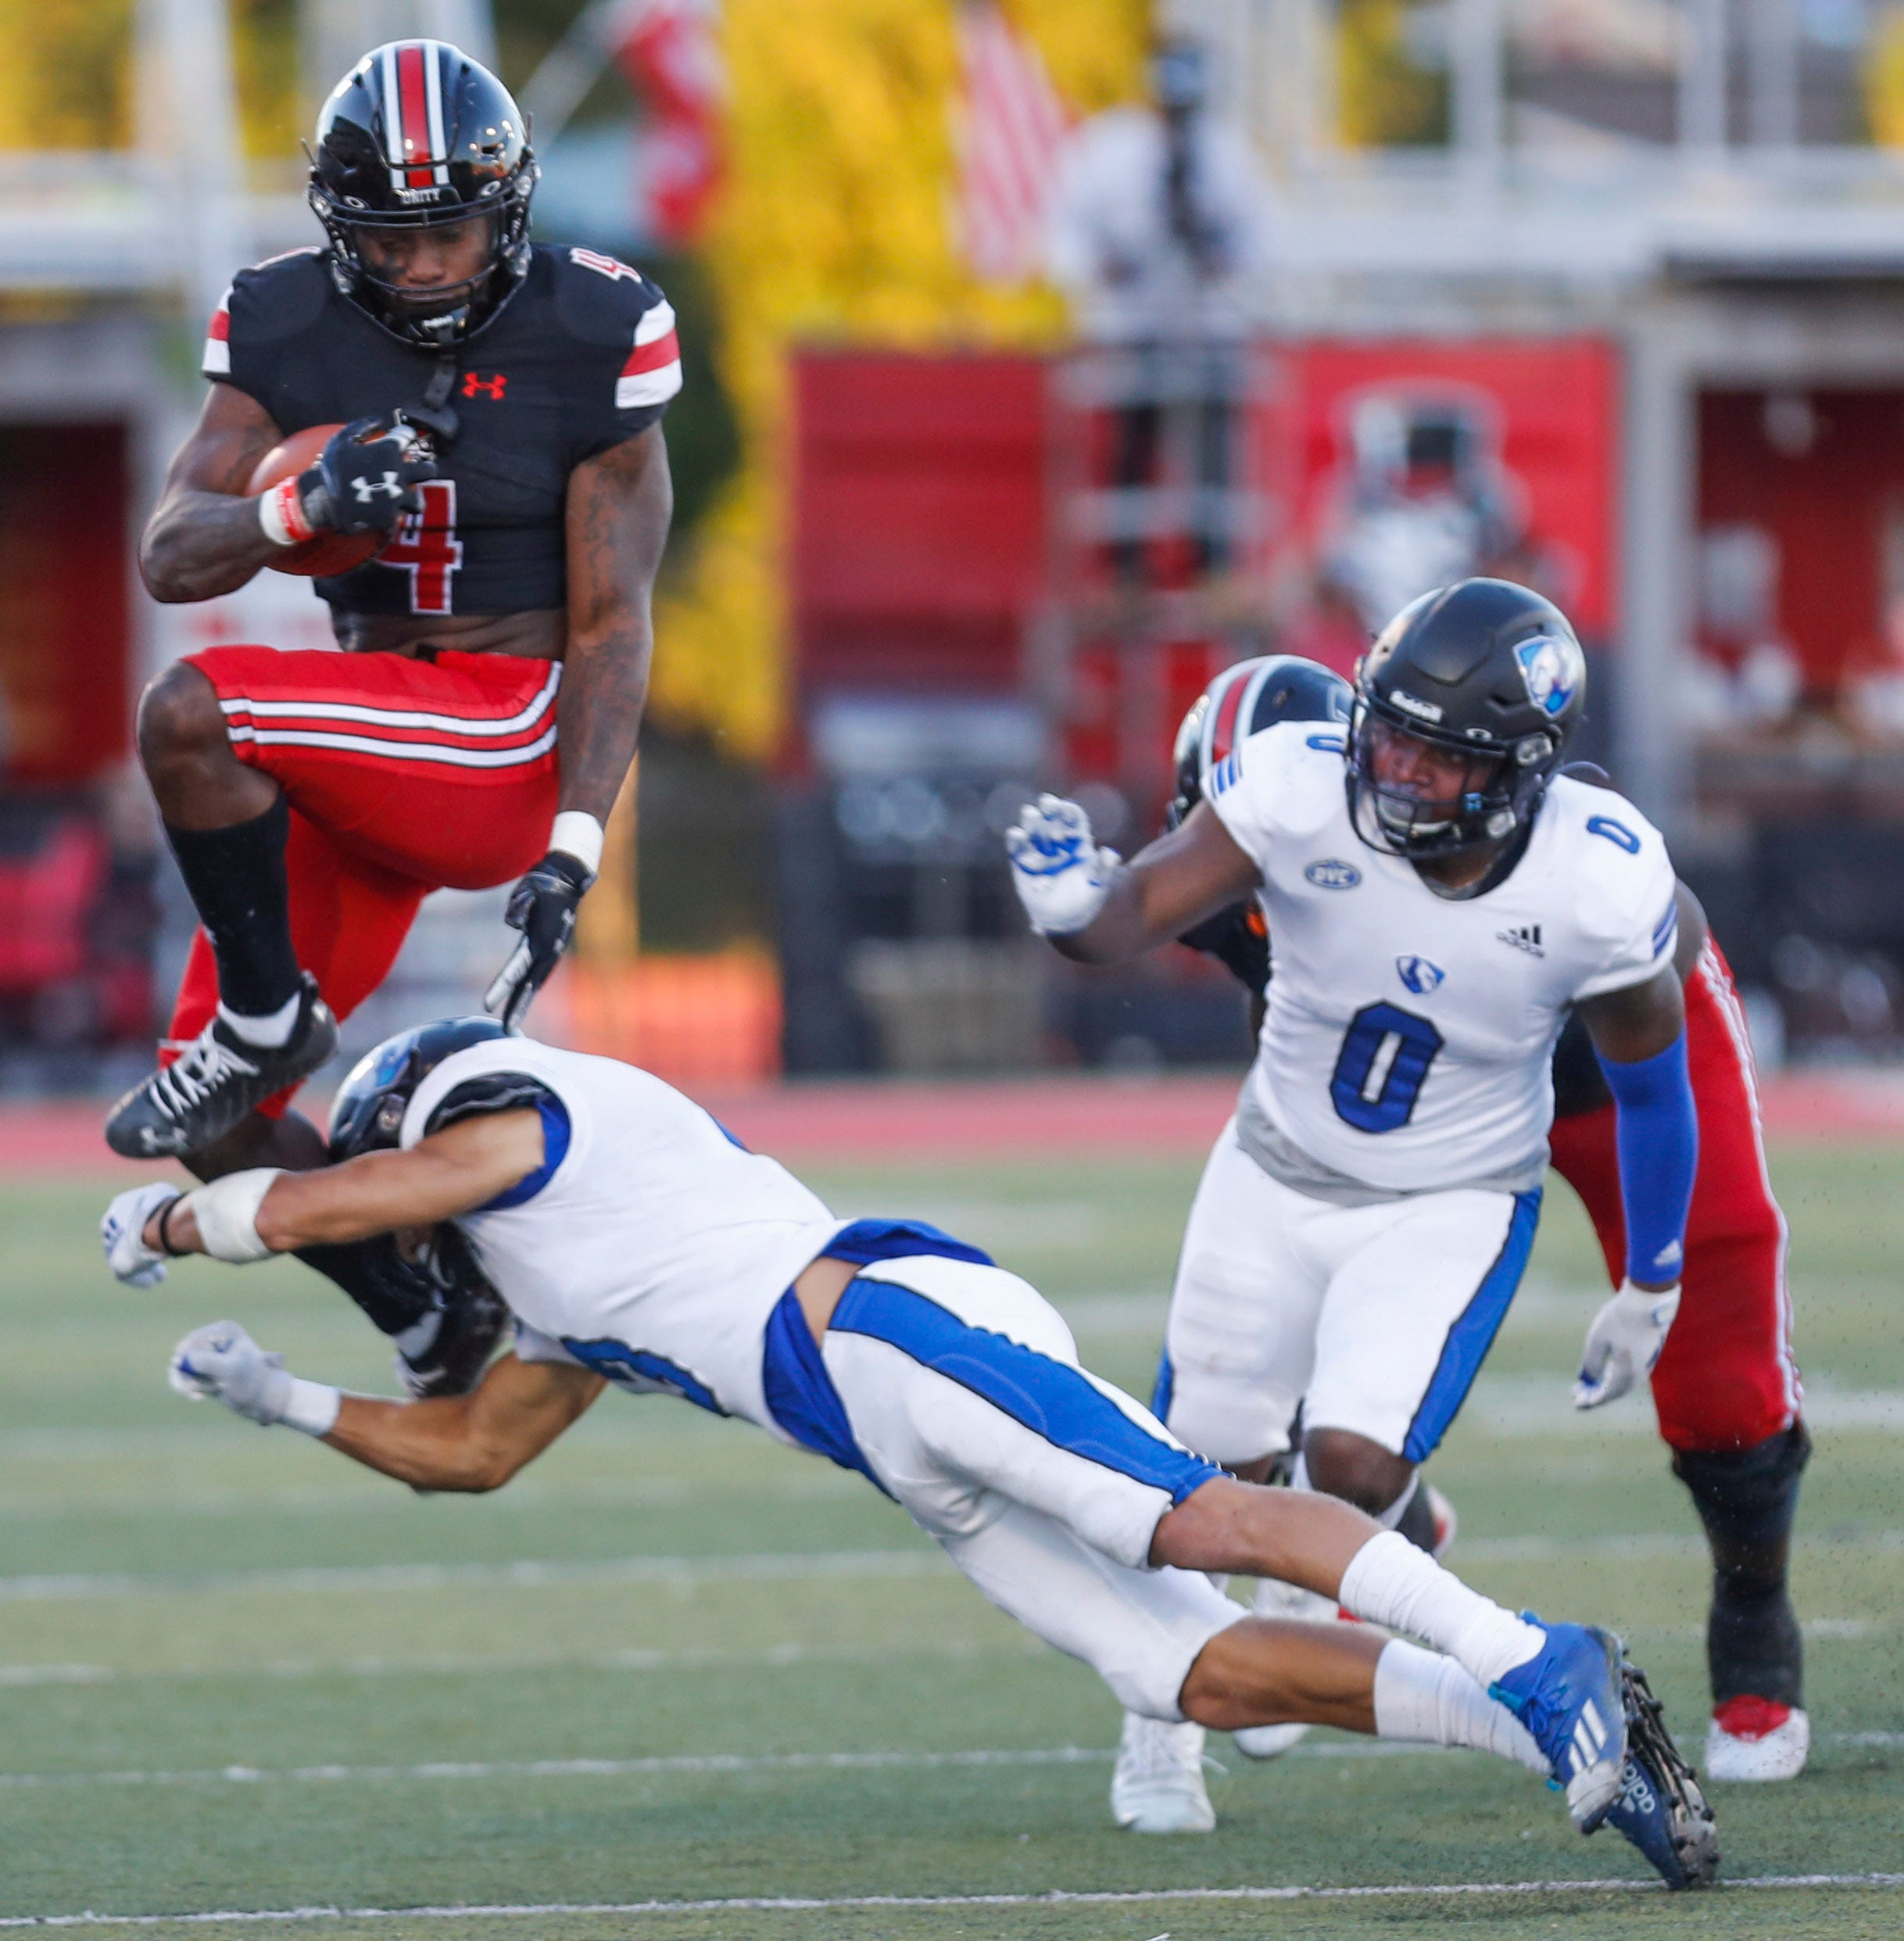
{"type": "Point", "coordinates": [1242, 700]}
{"type": "Point", "coordinates": [367, 1114]}
{"type": "Point", "coordinates": [418, 136]}
{"type": "Point", "coordinates": [1483, 669]}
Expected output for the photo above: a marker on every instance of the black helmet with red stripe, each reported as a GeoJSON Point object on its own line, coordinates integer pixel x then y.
{"type": "Point", "coordinates": [417, 136]}
{"type": "Point", "coordinates": [1242, 701]}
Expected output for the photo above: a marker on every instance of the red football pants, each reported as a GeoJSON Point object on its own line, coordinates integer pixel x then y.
{"type": "Point", "coordinates": [1728, 1379]}
{"type": "Point", "coordinates": [403, 776]}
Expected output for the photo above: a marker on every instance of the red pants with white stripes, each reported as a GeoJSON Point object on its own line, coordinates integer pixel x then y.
{"type": "Point", "coordinates": [1728, 1379]}
{"type": "Point", "coordinates": [403, 776]}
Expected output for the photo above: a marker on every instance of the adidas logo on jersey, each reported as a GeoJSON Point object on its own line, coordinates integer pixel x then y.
{"type": "Point", "coordinates": [1523, 937]}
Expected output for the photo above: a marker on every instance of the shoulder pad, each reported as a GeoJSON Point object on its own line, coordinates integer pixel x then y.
{"type": "Point", "coordinates": [598, 298]}
{"type": "Point", "coordinates": [489, 1092]}
{"type": "Point", "coordinates": [281, 295]}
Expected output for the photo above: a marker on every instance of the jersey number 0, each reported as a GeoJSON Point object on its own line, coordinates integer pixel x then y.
{"type": "Point", "coordinates": [1386, 1054]}
{"type": "Point", "coordinates": [426, 548]}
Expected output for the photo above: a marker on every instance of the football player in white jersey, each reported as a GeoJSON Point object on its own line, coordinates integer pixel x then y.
{"type": "Point", "coordinates": [638, 1243]}
{"type": "Point", "coordinates": [1438, 897]}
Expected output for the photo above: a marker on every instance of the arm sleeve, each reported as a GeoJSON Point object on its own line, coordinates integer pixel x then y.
{"type": "Point", "coordinates": [1657, 1137]}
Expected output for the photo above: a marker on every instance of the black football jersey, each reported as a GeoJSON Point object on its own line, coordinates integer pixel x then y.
{"type": "Point", "coordinates": [582, 356]}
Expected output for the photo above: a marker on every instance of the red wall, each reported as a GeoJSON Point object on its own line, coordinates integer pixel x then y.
{"type": "Point", "coordinates": [65, 636]}
{"type": "Point", "coordinates": [919, 524]}
{"type": "Point", "coordinates": [1825, 507]}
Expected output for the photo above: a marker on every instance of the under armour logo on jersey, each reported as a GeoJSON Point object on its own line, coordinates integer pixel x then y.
{"type": "Point", "coordinates": [389, 486]}
{"type": "Point", "coordinates": [1420, 975]}
{"type": "Point", "coordinates": [490, 387]}
{"type": "Point", "coordinates": [1523, 937]}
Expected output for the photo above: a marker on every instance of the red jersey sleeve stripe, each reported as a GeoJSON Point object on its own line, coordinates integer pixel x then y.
{"type": "Point", "coordinates": [217, 360]}
{"type": "Point", "coordinates": [645, 357]}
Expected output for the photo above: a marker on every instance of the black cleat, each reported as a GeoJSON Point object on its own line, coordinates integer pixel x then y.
{"type": "Point", "coordinates": [1660, 1808]}
{"type": "Point", "coordinates": [216, 1082]}
{"type": "Point", "coordinates": [446, 1352]}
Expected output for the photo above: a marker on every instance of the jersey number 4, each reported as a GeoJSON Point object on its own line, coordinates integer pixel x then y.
{"type": "Point", "coordinates": [1386, 1054]}
{"type": "Point", "coordinates": [426, 548]}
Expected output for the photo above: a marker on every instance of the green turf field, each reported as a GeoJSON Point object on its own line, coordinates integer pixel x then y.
{"type": "Point", "coordinates": [674, 1662]}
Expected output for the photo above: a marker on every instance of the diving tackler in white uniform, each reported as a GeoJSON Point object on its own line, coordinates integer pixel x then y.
{"type": "Point", "coordinates": [645, 1245]}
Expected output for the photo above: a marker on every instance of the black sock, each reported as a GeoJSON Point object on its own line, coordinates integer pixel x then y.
{"type": "Point", "coordinates": [1416, 1523]}
{"type": "Point", "coordinates": [236, 879]}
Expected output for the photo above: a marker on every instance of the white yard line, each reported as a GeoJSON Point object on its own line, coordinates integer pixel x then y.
{"type": "Point", "coordinates": [528, 1574]}
{"type": "Point", "coordinates": [450, 1665]}
{"type": "Point", "coordinates": [756, 1566]}
{"type": "Point", "coordinates": [1817, 1630]}
{"type": "Point", "coordinates": [663, 1764]}
{"type": "Point", "coordinates": [1056, 1897]}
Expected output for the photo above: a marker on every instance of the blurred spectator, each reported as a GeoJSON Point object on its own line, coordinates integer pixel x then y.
{"type": "Point", "coordinates": [1157, 226]}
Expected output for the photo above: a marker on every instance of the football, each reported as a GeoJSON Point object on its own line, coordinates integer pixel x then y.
{"type": "Point", "coordinates": [331, 553]}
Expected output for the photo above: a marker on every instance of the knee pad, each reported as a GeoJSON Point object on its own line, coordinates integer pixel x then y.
{"type": "Point", "coordinates": [1746, 1498]}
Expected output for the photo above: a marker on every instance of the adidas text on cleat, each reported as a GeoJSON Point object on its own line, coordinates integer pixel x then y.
{"type": "Point", "coordinates": [216, 1082]}
{"type": "Point", "coordinates": [1660, 1808]}
{"type": "Point", "coordinates": [1158, 1787]}
{"type": "Point", "coordinates": [1756, 1740]}
{"type": "Point", "coordinates": [1568, 1695]}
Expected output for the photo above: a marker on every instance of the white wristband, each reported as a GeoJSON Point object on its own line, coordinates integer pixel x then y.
{"type": "Point", "coordinates": [227, 1211]}
{"type": "Point", "coordinates": [578, 834]}
{"type": "Point", "coordinates": [312, 1407]}
{"type": "Point", "coordinates": [281, 513]}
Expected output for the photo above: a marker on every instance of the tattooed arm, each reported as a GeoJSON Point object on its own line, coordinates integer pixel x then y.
{"type": "Point", "coordinates": [203, 538]}
{"type": "Point", "coordinates": [619, 506]}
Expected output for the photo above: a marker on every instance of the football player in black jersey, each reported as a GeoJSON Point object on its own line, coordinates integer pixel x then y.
{"type": "Point", "coordinates": [501, 451]}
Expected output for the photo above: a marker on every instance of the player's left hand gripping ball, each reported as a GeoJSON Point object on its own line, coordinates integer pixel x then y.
{"type": "Point", "coordinates": [542, 907]}
{"type": "Point", "coordinates": [1062, 876]}
{"type": "Point", "coordinates": [1627, 1337]}
{"type": "Point", "coordinates": [368, 476]}
{"type": "Point", "coordinates": [122, 1233]}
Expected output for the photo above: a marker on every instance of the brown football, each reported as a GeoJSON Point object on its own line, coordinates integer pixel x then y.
{"type": "Point", "coordinates": [331, 553]}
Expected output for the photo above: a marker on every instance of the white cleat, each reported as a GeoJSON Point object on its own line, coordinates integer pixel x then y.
{"type": "Point", "coordinates": [1158, 1787]}
{"type": "Point", "coordinates": [1752, 1739]}
{"type": "Point", "coordinates": [1274, 1599]}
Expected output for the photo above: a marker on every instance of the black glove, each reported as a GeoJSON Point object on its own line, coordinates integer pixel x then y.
{"type": "Point", "coordinates": [368, 476]}
{"type": "Point", "coordinates": [542, 907]}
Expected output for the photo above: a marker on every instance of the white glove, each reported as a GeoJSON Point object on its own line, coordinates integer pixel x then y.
{"type": "Point", "coordinates": [1623, 1343]}
{"type": "Point", "coordinates": [122, 1233]}
{"type": "Point", "coordinates": [1062, 876]}
{"type": "Point", "coordinates": [222, 1363]}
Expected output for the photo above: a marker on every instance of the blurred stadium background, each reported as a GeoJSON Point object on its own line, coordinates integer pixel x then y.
{"type": "Point", "coordinates": [978, 486]}
{"type": "Point", "coordinates": [977, 489]}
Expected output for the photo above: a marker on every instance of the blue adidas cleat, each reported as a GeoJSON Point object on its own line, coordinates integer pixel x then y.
{"type": "Point", "coordinates": [1660, 1808]}
{"type": "Point", "coordinates": [1569, 1695]}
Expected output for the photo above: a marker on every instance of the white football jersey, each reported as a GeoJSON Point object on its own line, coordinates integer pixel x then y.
{"type": "Point", "coordinates": [655, 1250]}
{"type": "Point", "coordinates": [1407, 1036]}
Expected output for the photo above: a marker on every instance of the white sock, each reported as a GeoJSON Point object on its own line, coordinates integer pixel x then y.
{"type": "Point", "coordinates": [269, 1032]}
{"type": "Point", "coordinates": [1389, 1582]}
{"type": "Point", "coordinates": [1428, 1700]}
